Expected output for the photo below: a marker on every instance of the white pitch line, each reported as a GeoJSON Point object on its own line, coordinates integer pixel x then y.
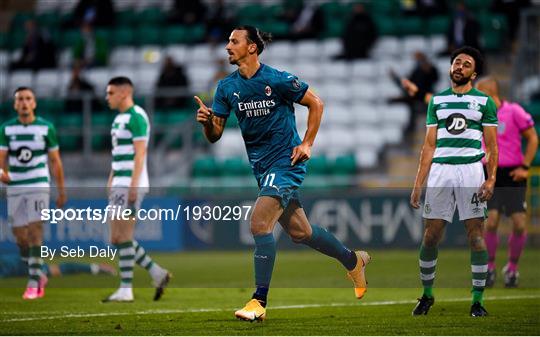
{"type": "Point", "coordinates": [282, 307]}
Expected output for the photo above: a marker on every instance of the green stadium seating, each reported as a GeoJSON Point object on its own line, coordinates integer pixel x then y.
{"type": "Point", "coordinates": [70, 38]}
{"type": "Point", "coordinates": [49, 20]}
{"type": "Point", "coordinates": [318, 165]}
{"type": "Point", "coordinates": [534, 109]}
{"type": "Point", "coordinates": [176, 34]}
{"type": "Point", "coordinates": [50, 106]}
{"type": "Point", "coordinates": [16, 39]}
{"type": "Point", "coordinates": [205, 167]}
{"type": "Point", "coordinates": [411, 25]}
{"type": "Point", "coordinates": [151, 16]}
{"type": "Point", "coordinates": [4, 41]}
{"type": "Point", "coordinates": [196, 33]}
{"type": "Point", "coordinates": [438, 24]}
{"type": "Point", "coordinates": [20, 18]}
{"type": "Point", "coordinates": [126, 18]}
{"type": "Point", "coordinates": [386, 26]}
{"type": "Point", "coordinates": [334, 28]}
{"type": "Point", "coordinates": [251, 13]}
{"type": "Point", "coordinates": [101, 120]}
{"type": "Point", "coordinates": [333, 10]}
{"type": "Point", "coordinates": [277, 28]}
{"type": "Point", "coordinates": [273, 12]}
{"type": "Point", "coordinates": [149, 35]}
{"type": "Point", "coordinates": [494, 28]}
{"type": "Point", "coordinates": [344, 165]}
{"type": "Point", "coordinates": [475, 5]}
{"type": "Point", "coordinates": [123, 36]}
{"type": "Point", "coordinates": [385, 8]}
{"type": "Point", "coordinates": [68, 141]}
{"type": "Point", "coordinates": [235, 167]}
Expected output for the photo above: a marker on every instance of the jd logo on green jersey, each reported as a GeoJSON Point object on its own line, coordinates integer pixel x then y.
{"type": "Point", "coordinates": [456, 123]}
{"type": "Point", "coordinates": [24, 154]}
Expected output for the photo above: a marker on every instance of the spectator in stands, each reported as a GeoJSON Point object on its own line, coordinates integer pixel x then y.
{"type": "Point", "coordinates": [172, 77]}
{"type": "Point", "coordinates": [360, 34]}
{"type": "Point", "coordinates": [38, 50]}
{"type": "Point", "coordinates": [188, 12]}
{"type": "Point", "coordinates": [99, 13]}
{"type": "Point", "coordinates": [78, 86]}
{"type": "Point", "coordinates": [464, 30]}
{"type": "Point", "coordinates": [90, 50]}
{"type": "Point", "coordinates": [309, 24]}
{"type": "Point", "coordinates": [219, 23]}
{"type": "Point", "coordinates": [425, 76]}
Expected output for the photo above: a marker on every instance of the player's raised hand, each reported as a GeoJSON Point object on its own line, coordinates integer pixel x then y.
{"type": "Point", "coordinates": [415, 197]}
{"type": "Point", "coordinates": [486, 190]}
{"type": "Point", "coordinates": [300, 153]}
{"type": "Point", "coordinates": [204, 113]}
{"type": "Point", "coordinates": [409, 86]}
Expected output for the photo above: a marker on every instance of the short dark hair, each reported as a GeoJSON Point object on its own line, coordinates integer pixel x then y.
{"type": "Point", "coordinates": [120, 80]}
{"type": "Point", "coordinates": [22, 89]}
{"type": "Point", "coordinates": [472, 52]}
{"type": "Point", "coordinates": [254, 35]}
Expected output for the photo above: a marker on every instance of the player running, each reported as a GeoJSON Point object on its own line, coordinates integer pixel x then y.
{"type": "Point", "coordinates": [511, 185]}
{"type": "Point", "coordinates": [29, 143]}
{"type": "Point", "coordinates": [127, 185]}
{"type": "Point", "coordinates": [262, 99]}
{"type": "Point", "coordinates": [457, 118]}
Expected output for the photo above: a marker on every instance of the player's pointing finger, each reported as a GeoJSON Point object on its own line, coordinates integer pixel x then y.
{"type": "Point", "coordinates": [199, 101]}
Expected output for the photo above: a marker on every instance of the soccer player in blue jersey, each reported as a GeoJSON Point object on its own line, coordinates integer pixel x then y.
{"type": "Point", "coordinates": [262, 99]}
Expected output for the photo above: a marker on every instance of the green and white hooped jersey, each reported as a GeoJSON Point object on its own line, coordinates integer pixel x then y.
{"type": "Point", "coordinates": [460, 121]}
{"type": "Point", "coordinates": [28, 146]}
{"type": "Point", "coordinates": [127, 127]}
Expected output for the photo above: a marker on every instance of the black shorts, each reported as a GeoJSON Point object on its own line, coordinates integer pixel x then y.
{"type": "Point", "coordinates": [509, 195]}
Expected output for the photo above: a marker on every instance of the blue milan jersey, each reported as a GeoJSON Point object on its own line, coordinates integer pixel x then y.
{"type": "Point", "coordinates": [264, 108]}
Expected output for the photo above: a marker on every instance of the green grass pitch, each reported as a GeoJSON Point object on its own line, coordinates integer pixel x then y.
{"type": "Point", "coordinates": [310, 296]}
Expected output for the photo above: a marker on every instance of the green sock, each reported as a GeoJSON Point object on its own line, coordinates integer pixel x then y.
{"type": "Point", "coordinates": [126, 251]}
{"type": "Point", "coordinates": [479, 267]}
{"type": "Point", "coordinates": [428, 262]}
{"type": "Point", "coordinates": [35, 263]}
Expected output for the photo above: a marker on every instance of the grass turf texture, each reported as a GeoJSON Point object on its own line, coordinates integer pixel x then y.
{"type": "Point", "coordinates": [310, 296]}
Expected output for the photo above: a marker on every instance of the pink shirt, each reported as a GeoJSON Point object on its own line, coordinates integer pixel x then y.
{"type": "Point", "coordinates": [513, 120]}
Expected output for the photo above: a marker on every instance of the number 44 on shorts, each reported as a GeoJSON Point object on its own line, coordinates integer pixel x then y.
{"type": "Point", "coordinates": [475, 201]}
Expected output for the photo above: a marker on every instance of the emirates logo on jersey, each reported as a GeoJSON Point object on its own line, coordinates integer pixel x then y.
{"type": "Point", "coordinates": [268, 90]}
{"type": "Point", "coordinates": [456, 124]}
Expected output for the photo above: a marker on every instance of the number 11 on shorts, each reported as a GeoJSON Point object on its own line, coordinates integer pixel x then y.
{"type": "Point", "coordinates": [269, 180]}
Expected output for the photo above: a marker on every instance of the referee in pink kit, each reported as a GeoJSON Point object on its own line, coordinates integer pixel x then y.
{"type": "Point", "coordinates": [511, 184]}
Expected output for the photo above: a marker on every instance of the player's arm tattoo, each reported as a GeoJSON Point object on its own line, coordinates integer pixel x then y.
{"type": "Point", "coordinates": [214, 130]}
